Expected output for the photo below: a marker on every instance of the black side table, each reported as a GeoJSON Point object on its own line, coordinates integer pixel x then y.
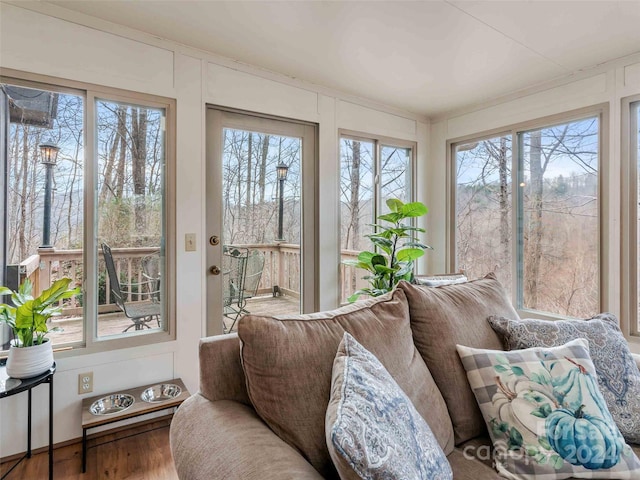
{"type": "Point", "coordinates": [13, 386]}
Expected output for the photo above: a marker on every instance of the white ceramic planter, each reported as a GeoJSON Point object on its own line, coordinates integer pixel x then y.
{"type": "Point", "coordinates": [29, 361]}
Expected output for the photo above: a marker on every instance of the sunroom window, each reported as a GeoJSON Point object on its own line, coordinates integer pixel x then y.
{"type": "Point", "coordinates": [108, 191]}
{"type": "Point", "coordinates": [534, 221]}
{"type": "Point", "coordinates": [372, 170]}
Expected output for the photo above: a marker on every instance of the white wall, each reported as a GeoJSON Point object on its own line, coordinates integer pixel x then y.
{"type": "Point", "coordinates": [607, 84]}
{"type": "Point", "coordinates": [72, 46]}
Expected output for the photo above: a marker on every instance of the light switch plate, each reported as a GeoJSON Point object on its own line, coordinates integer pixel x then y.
{"type": "Point", "coordinates": [190, 242]}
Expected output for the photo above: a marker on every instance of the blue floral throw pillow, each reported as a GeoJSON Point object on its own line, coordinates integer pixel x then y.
{"type": "Point", "coordinates": [546, 416]}
{"type": "Point", "coordinates": [373, 430]}
{"type": "Point", "coordinates": [618, 375]}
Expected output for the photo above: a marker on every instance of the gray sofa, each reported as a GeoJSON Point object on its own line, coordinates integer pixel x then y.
{"type": "Point", "coordinates": [218, 434]}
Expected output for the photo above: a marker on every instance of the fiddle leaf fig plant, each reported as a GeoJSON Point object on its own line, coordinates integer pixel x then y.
{"type": "Point", "coordinates": [28, 316]}
{"type": "Point", "coordinates": [395, 249]}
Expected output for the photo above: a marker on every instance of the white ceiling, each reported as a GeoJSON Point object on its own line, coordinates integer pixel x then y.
{"type": "Point", "coordinates": [426, 57]}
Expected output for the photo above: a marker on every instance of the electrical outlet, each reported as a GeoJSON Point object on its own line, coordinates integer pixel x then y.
{"type": "Point", "coordinates": [85, 383]}
{"type": "Point", "coordinates": [190, 242]}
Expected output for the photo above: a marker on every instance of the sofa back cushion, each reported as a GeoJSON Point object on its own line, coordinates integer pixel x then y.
{"type": "Point", "coordinates": [288, 363]}
{"type": "Point", "coordinates": [442, 317]}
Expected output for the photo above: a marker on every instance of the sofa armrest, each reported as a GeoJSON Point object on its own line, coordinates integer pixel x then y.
{"type": "Point", "coordinates": [636, 357]}
{"type": "Point", "coordinates": [221, 374]}
{"type": "Point", "coordinates": [226, 439]}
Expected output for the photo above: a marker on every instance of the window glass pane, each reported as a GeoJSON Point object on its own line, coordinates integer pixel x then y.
{"type": "Point", "coordinates": [357, 207]}
{"type": "Point", "coordinates": [262, 219]}
{"type": "Point", "coordinates": [395, 180]}
{"type": "Point", "coordinates": [130, 217]}
{"type": "Point", "coordinates": [558, 219]}
{"type": "Point", "coordinates": [44, 211]}
{"type": "Point", "coordinates": [483, 208]}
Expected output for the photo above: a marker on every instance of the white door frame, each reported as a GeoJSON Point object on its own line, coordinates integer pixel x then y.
{"type": "Point", "coordinates": [218, 118]}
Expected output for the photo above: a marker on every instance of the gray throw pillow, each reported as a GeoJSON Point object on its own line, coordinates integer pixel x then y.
{"type": "Point", "coordinates": [373, 430]}
{"type": "Point", "coordinates": [618, 375]}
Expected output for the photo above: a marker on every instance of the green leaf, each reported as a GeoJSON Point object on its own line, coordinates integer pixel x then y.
{"type": "Point", "coordinates": [394, 204]}
{"type": "Point", "coordinates": [544, 443]}
{"type": "Point", "coordinates": [392, 217]}
{"type": "Point", "coordinates": [380, 241]}
{"type": "Point", "coordinates": [541, 458]}
{"type": "Point", "coordinates": [543, 411]}
{"type": "Point", "coordinates": [409, 254]}
{"type": "Point", "coordinates": [557, 461]}
{"type": "Point", "coordinates": [539, 378]}
{"type": "Point", "coordinates": [416, 245]}
{"type": "Point", "coordinates": [366, 256]}
{"type": "Point", "coordinates": [414, 209]}
{"type": "Point", "coordinates": [5, 291]}
{"type": "Point", "coordinates": [378, 259]}
{"type": "Point", "coordinates": [411, 228]}
{"type": "Point", "coordinates": [58, 291]}
{"type": "Point", "coordinates": [515, 437]}
{"type": "Point", "coordinates": [532, 450]}
{"type": "Point", "coordinates": [500, 368]}
{"type": "Point", "coordinates": [518, 371]}
{"type": "Point", "coordinates": [26, 288]}
{"type": "Point", "coordinates": [355, 263]}
{"type": "Point", "coordinates": [406, 268]}
{"type": "Point", "coordinates": [354, 296]}
{"type": "Point", "coordinates": [25, 314]}
{"type": "Point", "coordinates": [384, 269]}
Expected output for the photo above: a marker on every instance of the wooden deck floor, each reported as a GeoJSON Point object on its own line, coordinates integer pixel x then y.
{"type": "Point", "coordinates": [115, 323]}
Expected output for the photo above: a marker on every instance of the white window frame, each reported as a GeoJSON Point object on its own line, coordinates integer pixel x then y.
{"type": "Point", "coordinates": [630, 253]}
{"type": "Point", "coordinates": [378, 141]}
{"type": "Point", "coordinates": [602, 112]}
{"type": "Point", "coordinates": [92, 93]}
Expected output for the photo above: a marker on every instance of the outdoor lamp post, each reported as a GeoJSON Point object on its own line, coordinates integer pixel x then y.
{"type": "Point", "coordinates": [48, 157]}
{"type": "Point", "coordinates": [281, 170]}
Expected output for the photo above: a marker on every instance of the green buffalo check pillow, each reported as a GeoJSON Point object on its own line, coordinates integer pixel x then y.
{"type": "Point", "coordinates": [546, 416]}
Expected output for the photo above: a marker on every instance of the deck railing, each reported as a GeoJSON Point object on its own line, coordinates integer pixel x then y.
{"type": "Point", "coordinates": [281, 268]}
{"type": "Point", "coordinates": [49, 265]}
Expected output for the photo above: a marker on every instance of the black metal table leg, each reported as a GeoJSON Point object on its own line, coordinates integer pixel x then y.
{"type": "Point", "coordinates": [50, 427]}
{"type": "Point", "coordinates": [27, 384]}
{"type": "Point", "coordinates": [84, 450]}
{"type": "Point", "coordinates": [29, 427]}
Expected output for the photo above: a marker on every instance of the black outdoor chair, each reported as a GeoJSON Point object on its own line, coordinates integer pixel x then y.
{"type": "Point", "coordinates": [140, 313]}
{"type": "Point", "coordinates": [151, 272]}
{"type": "Point", "coordinates": [242, 270]}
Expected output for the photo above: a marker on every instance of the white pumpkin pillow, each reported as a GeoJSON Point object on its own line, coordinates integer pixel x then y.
{"type": "Point", "coordinates": [545, 414]}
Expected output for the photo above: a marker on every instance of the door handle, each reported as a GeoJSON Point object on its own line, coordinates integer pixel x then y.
{"type": "Point", "coordinates": [214, 270]}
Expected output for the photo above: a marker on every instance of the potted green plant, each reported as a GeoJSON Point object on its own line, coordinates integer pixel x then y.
{"type": "Point", "coordinates": [30, 352]}
{"type": "Point", "coordinates": [396, 249]}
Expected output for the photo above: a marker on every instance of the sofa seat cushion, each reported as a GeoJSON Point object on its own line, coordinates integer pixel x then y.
{"type": "Point", "coordinates": [288, 363]}
{"type": "Point", "coordinates": [465, 467]}
{"type": "Point", "coordinates": [479, 448]}
{"type": "Point", "coordinates": [373, 430]}
{"type": "Point", "coordinates": [442, 317]}
{"type": "Point", "coordinates": [546, 415]}
{"type": "Point", "coordinates": [227, 439]}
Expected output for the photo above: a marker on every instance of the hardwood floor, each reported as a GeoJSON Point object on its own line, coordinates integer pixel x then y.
{"type": "Point", "coordinates": [139, 453]}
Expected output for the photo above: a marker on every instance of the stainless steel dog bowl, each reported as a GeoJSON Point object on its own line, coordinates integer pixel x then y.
{"type": "Point", "coordinates": [111, 404]}
{"type": "Point", "coordinates": [161, 392]}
